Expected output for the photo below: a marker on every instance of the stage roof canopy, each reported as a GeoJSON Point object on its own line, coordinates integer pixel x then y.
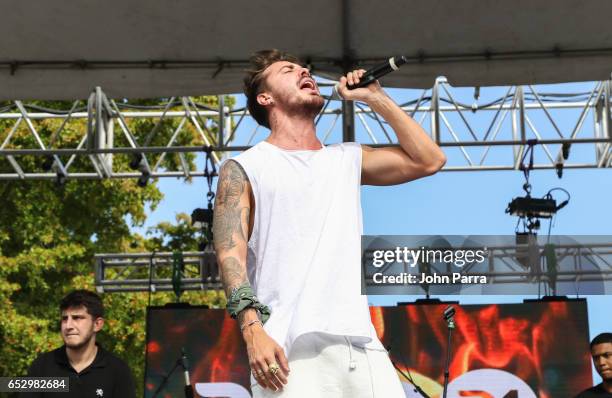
{"type": "Point", "coordinates": [62, 49]}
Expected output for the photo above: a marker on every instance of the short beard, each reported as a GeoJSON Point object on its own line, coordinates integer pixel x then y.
{"type": "Point", "coordinates": [317, 104]}
{"type": "Point", "coordinates": [81, 344]}
{"type": "Point", "coordinates": [312, 107]}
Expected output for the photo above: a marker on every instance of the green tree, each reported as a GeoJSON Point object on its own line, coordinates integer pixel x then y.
{"type": "Point", "coordinates": [49, 234]}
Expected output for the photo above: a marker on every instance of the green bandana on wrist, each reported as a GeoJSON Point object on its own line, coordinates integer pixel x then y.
{"type": "Point", "coordinates": [243, 298]}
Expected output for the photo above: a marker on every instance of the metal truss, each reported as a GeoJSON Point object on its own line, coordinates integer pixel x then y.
{"type": "Point", "coordinates": [578, 263]}
{"type": "Point", "coordinates": [491, 136]}
{"type": "Point", "coordinates": [508, 125]}
{"type": "Point", "coordinates": [137, 272]}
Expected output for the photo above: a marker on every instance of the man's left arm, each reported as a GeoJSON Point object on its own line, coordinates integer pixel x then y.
{"type": "Point", "coordinates": [417, 156]}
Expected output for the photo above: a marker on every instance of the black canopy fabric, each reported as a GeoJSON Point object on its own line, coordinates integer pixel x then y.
{"type": "Point", "coordinates": [62, 49]}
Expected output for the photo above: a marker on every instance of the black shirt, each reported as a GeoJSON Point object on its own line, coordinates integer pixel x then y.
{"type": "Point", "coordinates": [106, 377]}
{"type": "Point", "coordinates": [595, 392]}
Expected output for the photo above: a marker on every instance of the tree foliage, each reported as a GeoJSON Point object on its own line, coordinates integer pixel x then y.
{"type": "Point", "coordinates": [49, 235]}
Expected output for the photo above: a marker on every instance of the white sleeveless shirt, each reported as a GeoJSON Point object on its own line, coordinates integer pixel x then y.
{"type": "Point", "coordinates": [304, 254]}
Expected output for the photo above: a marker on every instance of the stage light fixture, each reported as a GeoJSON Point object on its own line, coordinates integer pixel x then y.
{"type": "Point", "coordinates": [136, 162]}
{"type": "Point", "coordinates": [532, 207]}
{"type": "Point", "coordinates": [527, 251]}
{"type": "Point", "coordinates": [143, 180]}
{"type": "Point", "coordinates": [60, 178]}
{"type": "Point", "coordinates": [47, 164]}
{"type": "Point", "coordinates": [565, 150]}
{"type": "Point", "coordinates": [559, 168]}
{"type": "Point", "coordinates": [201, 218]}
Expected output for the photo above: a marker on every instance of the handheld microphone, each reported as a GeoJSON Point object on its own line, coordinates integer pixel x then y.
{"type": "Point", "coordinates": [390, 65]}
{"type": "Point", "coordinates": [185, 365]}
{"type": "Point", "coordinates": [373, 74]}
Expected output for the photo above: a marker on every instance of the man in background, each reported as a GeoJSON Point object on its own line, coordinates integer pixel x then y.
{"type": "Point", "coordinates": [601, 351]}
{"type": "Point", "coordinates": [92, 371]}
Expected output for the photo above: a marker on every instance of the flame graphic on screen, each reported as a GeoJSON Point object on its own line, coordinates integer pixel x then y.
{"type": "Point", "coordinates": [212, 342]}
{"type": "Point", "coordinates": [543, 343]}
{"type": "Point", "coordinates": [226, 358]}
{"type": "Point", "coordinates": [525, 343]}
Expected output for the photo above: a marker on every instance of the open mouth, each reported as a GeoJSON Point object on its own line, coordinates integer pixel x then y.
{"type": "Point", "coordinates": [308, 84]}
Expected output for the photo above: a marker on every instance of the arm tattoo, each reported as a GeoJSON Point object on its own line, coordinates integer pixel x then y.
{"type": "Point", "coordinates": [230, 226]}
{"type": "Point", "coordinates": [233, 275]}
{"type": "Point", "coordinates": [228, 214]}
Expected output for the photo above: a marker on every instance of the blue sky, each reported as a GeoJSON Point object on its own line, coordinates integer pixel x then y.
{"type": "Point", "coordinates": [463, 203]}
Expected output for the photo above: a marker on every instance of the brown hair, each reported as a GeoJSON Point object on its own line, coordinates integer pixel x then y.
{"type": "Point", "coordinates": [85, 298]}
{"type": "Point", "coordinates": [254, 82]}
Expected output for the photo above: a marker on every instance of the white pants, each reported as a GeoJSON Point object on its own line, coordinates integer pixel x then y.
{"type": "Point", "coordinates": [328, 366]}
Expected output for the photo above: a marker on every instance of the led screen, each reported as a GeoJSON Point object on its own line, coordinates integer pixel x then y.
{"type": "Point", "coordinates": [535, 349]}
